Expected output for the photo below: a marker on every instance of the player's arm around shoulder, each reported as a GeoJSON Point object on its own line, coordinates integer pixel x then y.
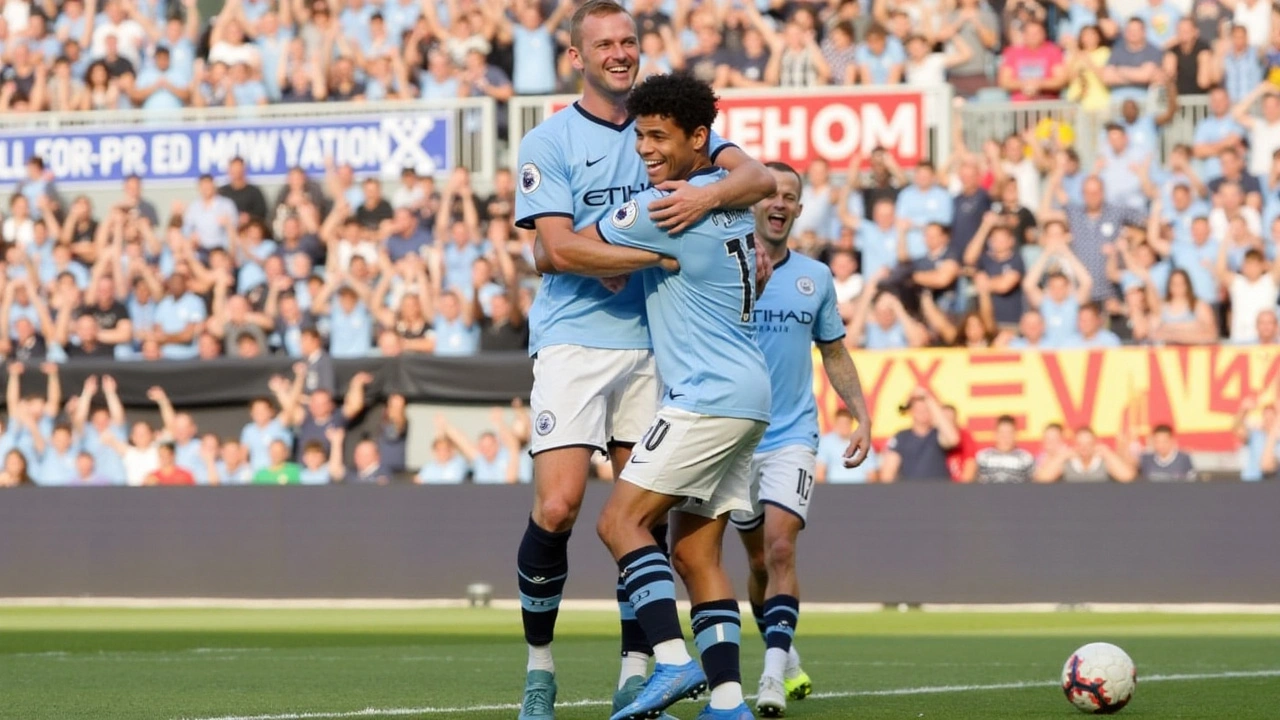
{"type": "Point", "coordinates": [747, 183]}
{"type": "Point", "coordinates": [561, 249]}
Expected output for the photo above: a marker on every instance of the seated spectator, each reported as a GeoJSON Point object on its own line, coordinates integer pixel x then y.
{"type": "Point", "coordinates": [1215, 133]}
{"type": "Point", "coordinates": [14, 472]}
{"type": "Point", "coordinates": [86, 473]}
{"type": "Point", "coordinates": [880, 59]}
{"type": "Point", "coordinates": [1257, 438]}
{"type": "Point", "coordinates": [248, 199]}
{"type": "Point", "coordinates": [1087, 57]}
{"type": "Point", "coordinates": [1089, 332]}
{"type": "Point", "coordinates": [265, 427]}
{"type": "Point", "coordinates": [887, 327]}
{"type": "Point", "coordinates": [830, 466]}
{"type": "Point", "coordinates": [1060, 300]}
{"type": "Point", "coordinates": [1232, 170]}
{"type": "Point", "coordinates": [1252, 290]}
{"type": "Point", "coordinates": [920, 451]}
{"type": "Point", "coordinates": [229, 465]}
{"type": "Point", "coordinates": [279, 469]}
{"type": "Point", "coordinates": [446, 466]}
{"type": "Point", "coordinates": [997, 269]}
{"type": "Point", "coordinates": [59, 460]}
{"type": "Point", "coordinates": [495, 459]}
{"type": "Point", "coordinates": [1180, 318]}
{"type": "Point", "coordinates": [368, 469]}
{"type": "Point", "coordinates": [937, 273]}
{"type": "Point", "coordinates": [1034, 69]}
{"type": "Point", "coordinates": [1164, 462]}
{"type": "Point", "coordinates": [1005, 462]}
{"type": "Point", "coordinates": [167, 472]}
{"type": "Point", "coordinates": [1030, 335]}
{"type": "Point", "coordinates": [1087, 461]}
{"type": "Point", "coordinates": [1134, 65]}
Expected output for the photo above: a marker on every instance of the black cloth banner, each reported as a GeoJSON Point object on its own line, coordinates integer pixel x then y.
{"type": "Point", "coordinates": [489, 378]}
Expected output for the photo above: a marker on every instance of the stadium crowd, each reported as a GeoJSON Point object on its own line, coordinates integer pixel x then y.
{"type": "Point", "coordinates": [1018, 243]}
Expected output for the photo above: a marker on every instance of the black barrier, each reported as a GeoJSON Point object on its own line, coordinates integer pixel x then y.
{"type": "Point", "coordinates": [487, 378]}
{"type": "Point", "coordinates": [904, 543]}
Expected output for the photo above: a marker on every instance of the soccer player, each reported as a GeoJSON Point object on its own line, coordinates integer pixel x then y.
{"type": "Point", "coordinates": [695, 458]}
{"type": "Point", "coordinates": [595, 386]}
{"type": "Point", "coordinates": [797, 309]}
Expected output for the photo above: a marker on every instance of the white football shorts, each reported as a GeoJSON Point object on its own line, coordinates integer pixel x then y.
{"type": "Point", "coordinates": [591, 397]}
{"type": "Point", "coordinates": [704, 459]}
{"type": "Point", "coordinates": [782, 477]}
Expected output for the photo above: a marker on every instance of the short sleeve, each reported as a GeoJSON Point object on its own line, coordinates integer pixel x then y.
{"type": "Point", "coordinates": [543, 182]}
{"type": "Point", "coordinates": [629, 225]}
{"type": "Point", "coordinates": [828, 327]}
{"type": "Point", "coordinates": [717, 145]}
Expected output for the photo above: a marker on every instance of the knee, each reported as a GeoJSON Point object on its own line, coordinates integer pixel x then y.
{"type": "Point", "coordinates": [757, 565]}
{"type": "Point", "coordinates": [556, 513]}
{"type": "Point", "coordinates": [686, 560]}
{"type": "Point", "coordinates": [780, 554]}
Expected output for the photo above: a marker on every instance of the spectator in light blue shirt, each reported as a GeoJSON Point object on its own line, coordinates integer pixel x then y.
{"type": "Point", "coordinates": [1161, 18]}
{"type": "Point", "coordinates": [264, 428]}
{"type": "Point", "coordinates": [447, 466]}
{"type": "Point", "coordinates": [1124, 167]}
{"type": "Point", "coordinates": [1216, 133]}
{"type": "Point", "coordinates": [179, 318]}
{"type": "Point", "coordinates": [1089, 332]}
{"type": "Point", "coordinates": [534, 48]}
{"type": "Point", "coordinates": [162, 86]}
{"type": "Point", "coordinates": [211, 220]}
{"type": "Point", "coordinates": [924, 203]}
{"type": "Point", "coordinates": [1255, 438]}
{"type": "Point", "coordinates": [247, 91]}
{"type": "Point", "coordinates": [878, 240]}
{"type": "Point", "coordinates": [455, 328]}
{"type": "Point", "coordinates": [831, 449]}
{"type": "Point", "coordinates": [880, 59]}
{"type": "Point", "coordinates": [1242, 68]}
{"type": "Point", "coordinates": [58, 463]}
{"type": "Point", "coordinates": [350, 323]}
{"type": "Point", "coordinates": [354, 20]}
{"type": "Point", "coordinates": [438, 82]}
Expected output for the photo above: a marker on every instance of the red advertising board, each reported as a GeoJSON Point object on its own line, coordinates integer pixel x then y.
{"type": "Point", "coordinates": [833, 124]}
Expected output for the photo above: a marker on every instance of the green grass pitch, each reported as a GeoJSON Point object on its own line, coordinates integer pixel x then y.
{"type": "Point", "coordinates": [199, 664]}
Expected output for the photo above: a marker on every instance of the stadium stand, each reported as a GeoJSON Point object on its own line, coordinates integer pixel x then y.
{"type": "Point", "coordinates": [1109, 179]}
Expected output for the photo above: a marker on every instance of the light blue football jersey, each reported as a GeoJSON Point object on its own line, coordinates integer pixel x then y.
{"type": "Point", "coordinates": [700, 317]}
{"type": "Point", "coordinates": [579, 166]}
{"type": "Point", "coordinates": [798, 307]}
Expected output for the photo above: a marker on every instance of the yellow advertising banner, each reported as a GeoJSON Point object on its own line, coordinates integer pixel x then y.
{"type": "Point", "coordinates": [1197, 390]}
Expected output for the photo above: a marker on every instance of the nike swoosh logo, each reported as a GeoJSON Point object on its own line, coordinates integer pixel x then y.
{"type": "Point", "coordinates": [639, 462]}
{"type": "Point", "coordinates": [673, 394]}
{"type": "Point", "coordinates": [593, 162]}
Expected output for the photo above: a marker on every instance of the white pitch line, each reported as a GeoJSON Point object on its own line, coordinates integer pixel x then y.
{"type": "Point", "coordinates": [893, 692]}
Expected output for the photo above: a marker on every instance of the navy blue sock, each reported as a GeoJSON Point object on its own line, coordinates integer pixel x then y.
{"type": "Point", "coordinates": [633, 637]}
{"type": "Point", "coordinates": [781, 615]}
{"type": "Point", "coordinates": [757, 611]}
{"type": "Point", "coordinates": [717, 630]}
{"type": "Point", "coordinates": [542, 566]}
{"type": "Point", "coordinates": [651, 587]}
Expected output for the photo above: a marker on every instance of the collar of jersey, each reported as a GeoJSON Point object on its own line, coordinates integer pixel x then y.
{"type": "Point", "coordinates": [601, 121]}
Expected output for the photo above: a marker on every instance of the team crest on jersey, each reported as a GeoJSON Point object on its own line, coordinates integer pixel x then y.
{"type": "Point", "coordinates": [805, 285]}
{"type": "Point", "coordinates": [625, 216]}
{"type": "Point", "coordinates": [530, 178]}
{"type": "Point", "coordinates": [545, 423]}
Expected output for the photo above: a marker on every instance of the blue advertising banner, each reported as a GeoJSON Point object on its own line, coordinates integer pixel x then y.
{"type": "Point", "coordinates": [185, 150]}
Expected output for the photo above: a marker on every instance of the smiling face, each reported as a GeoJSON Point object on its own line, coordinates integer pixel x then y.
{"type": "Point", "coordinates": [606, 50]}
{"type": "Point", "coordinates": [668, 152]}
{"type": "Point", "coordinates": [777, 213]}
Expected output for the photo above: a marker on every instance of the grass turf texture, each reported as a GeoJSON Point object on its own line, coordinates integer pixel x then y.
{"type": "Point", "coordinates": [70, 663]}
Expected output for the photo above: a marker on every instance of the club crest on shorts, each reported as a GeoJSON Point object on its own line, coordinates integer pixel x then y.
{"type": "Point", "coordinates": [545, 423]}
{"type": "Point", "coordinates": [530, 178]}
{"type": "Point", "coordinates": [805, 285]}
{"type": "Point", "coordinates": [625, 216]}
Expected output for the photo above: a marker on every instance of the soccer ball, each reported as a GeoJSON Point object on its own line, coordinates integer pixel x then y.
{"type": "Point", "coordinates": [1099, 678]}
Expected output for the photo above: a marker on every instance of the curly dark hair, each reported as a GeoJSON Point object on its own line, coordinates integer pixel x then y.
{"type": "Point", "coordinates": [689, 102]}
